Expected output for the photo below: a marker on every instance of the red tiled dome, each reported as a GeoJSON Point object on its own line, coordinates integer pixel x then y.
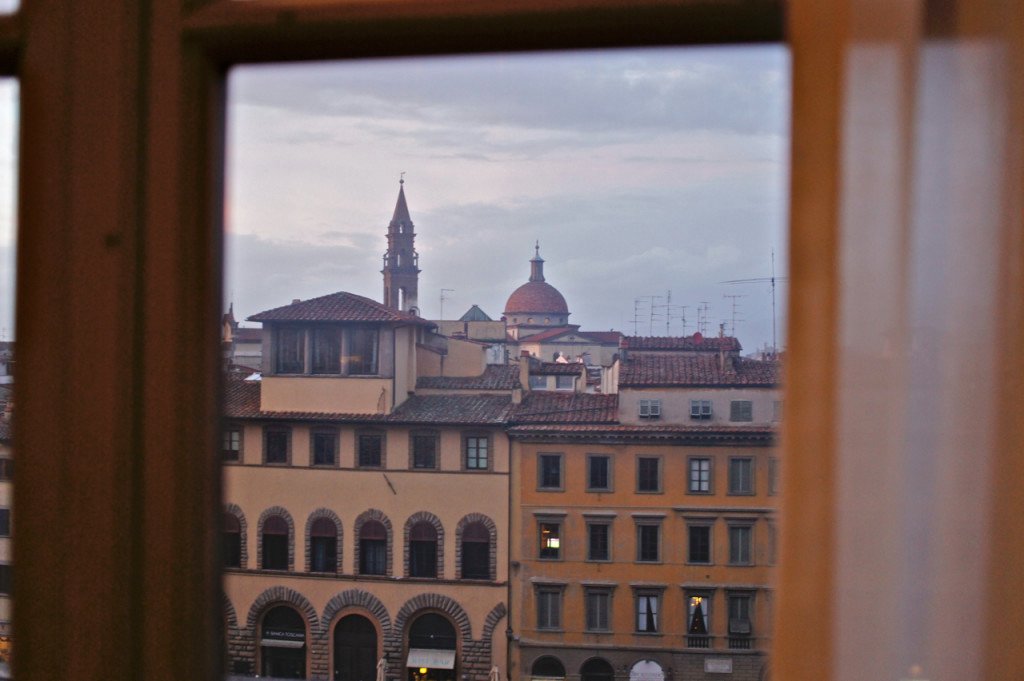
{"type": "Point", "coordinates": [536, 297]}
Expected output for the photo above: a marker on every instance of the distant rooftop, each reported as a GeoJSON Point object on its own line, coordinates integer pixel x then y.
{"type": "Point", "coordinates": [337, 307]}
{"type": "Point", "coordinates": [696, 342]}
{"type": "Point", "coordinates": [475, 314]}
{"type": "Point", "coordinates": [494, 377]}
{"type": "Point", "coordinates": [697, 371]}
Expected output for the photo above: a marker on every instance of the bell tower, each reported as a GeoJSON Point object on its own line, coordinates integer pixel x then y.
{"type": "Point", "coordinates": [401, 262]}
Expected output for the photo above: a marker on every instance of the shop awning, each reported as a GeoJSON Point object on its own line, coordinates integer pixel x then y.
{"type": "Point", "coordinates": [278, 643]}
{"type": "Point", "coordinates": [431, 659]}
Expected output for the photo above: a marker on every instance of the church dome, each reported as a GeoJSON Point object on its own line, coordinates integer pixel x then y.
{"type": "Point", "coordinates": [536, 297]}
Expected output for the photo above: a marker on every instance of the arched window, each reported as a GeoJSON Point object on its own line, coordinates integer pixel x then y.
{"type": "Point", "coordinates": [423, 550]}
{"type": "Point", "coordinates": [355, 648]}
{"type": "Point", "coordinates": [476, 551]}
{"type": "Point", "coordinates": [549, 667]}
{"type": "Point", "coordinates": [373, 548]}
{"type": "Point", "coordinates": [275, 543]}
{"type": "Point", "coordinates": [323, 546]}
{"type": "Point", "coordinates": [232, 541]}
{"type": "Point", "coordinates": [596, 669]}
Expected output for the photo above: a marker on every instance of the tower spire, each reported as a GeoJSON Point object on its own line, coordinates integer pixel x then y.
{"type": "Point", "coordinates": [401, 261]}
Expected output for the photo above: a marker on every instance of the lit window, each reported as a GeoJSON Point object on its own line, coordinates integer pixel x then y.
{"type": "Point", "coordinates": [361, 358]}
{"type": "Point", "coordinates": [550, 540]}
{"type": "Point", "coordinates": [698, 624]}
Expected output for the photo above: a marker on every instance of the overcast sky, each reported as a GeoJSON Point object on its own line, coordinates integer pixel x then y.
{"type": "Point", "coordinates": [640, 172]}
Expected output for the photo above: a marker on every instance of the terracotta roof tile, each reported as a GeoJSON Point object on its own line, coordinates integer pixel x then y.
{"type": "Point", "coordinates": [557, 369]}
{"type": "Point", "coordinates": [337, 307]}
{"type": "Point", "coordinates": [695, 343]}
{"type": "Point", "coordinates": [701, 370]}
{"type": "Point", "coordinates": [552, 407]}
{"type": "Point", "coordinates": [494, 377]}
{"type": "Point", "coordinates": [459, 409]}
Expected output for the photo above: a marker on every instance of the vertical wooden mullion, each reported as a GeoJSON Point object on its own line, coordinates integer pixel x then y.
{"type": "Point", "coordinates": [76, 427]}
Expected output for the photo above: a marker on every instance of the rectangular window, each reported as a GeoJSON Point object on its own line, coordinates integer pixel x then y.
{"type": "Point", "coordinates": [550, 540]}
{"type": "Point", "coordinates": [741, 475]}
{"type": "Point", "coordinates": [741, 410]}
{"type": "Point", "coordinates": [740, 623]}
{"type": "Point", "coordinates": [6, 469]}
{"type": "Point", "coordinates": [700, 409]}
{"type": "Point", "coordinates": [598, 546]}
{"type": "Point", "coordinates": [477, 447]}
{"type": "Point", "coordinates": [598, 473]}
{"type": "Point", "coordinates": [290, 351]}
{"type": "Point", "coordinates": [276, 444]}
{"type": "Point", "coordinates": [549, 608]}
{"type": "Point", "coordinates": [650, 409]}
{"type": "Point", "coordinates": [648, 612]}
{"type": "Point", "coordinates": [232, 445]}
{"type": "Point", "coordinates": [648, 541]}
{"type": "Point", "coordinates": [648, 474]}
{"type": "Point", "coordinates": [598, 604]}
{"type": "Point", "coordinates": [538, 382]}
{"type": "Point", "coordinates": [773, 476]}
{"type": "Point", "coordinates": [370, 450]}
{"type": "Point", "coordinates": [5, 522]}
{"type": "Point", "coordinates": [362, 351]}
{"type": "Point", "coordinates": [325, 448]}
{"type": "Point", "coordinates": [326, 350]}
{"type": "Point", "coordinates": [739, 544]}
{"type": "Point", "coordinates": [700, 475]}
{"type": "Point", "coordinates": [549, 471]}
{"type": "Point", "coordinates": [424, 450]}
{"type": "Point", "coordinates": [698, 620]}
{"type": "Point", "coordinates": [699, 549]}
{"type": "Point", "coordinates": [565, 382]}
{"type": "Point", "coordinates": [6, 580]}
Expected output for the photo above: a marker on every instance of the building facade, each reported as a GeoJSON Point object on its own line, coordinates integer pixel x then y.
{"type": "Point", "coordinates": [643, 531]}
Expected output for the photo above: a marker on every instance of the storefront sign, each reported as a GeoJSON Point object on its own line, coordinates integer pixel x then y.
{"type": "Point", "coordinates": [646, 670]}
{"type": "Point", "coordinates": [718, 665]}
{"type": "Point", "coordinates": [431, 659]}
{"type": "Point", "coordinates": [284, 634]}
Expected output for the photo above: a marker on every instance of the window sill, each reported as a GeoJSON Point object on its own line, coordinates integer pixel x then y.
{"type": "Point", "coordinates": [550, 489]}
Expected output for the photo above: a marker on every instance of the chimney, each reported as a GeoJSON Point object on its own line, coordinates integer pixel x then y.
{"type": "Point", "coordinates": [296, 301]}
{"type": "Point", "coordinates": [524, 369]}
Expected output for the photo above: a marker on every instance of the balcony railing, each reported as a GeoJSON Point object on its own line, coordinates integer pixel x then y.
{"type": "Point", "coordinates": [741, 642]}
{"type": "Point", "coordinates": [698, 641]}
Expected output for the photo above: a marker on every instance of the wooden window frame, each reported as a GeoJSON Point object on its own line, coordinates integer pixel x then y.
{"type": "Point", "coordinates": [119, 262]}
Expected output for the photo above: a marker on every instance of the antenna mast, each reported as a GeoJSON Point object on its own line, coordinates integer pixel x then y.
{"type": "Point", "coordinates": [444, 298]}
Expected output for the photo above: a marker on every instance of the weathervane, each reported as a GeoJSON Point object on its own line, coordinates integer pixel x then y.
{"type": "Point", "coordinates": [401, 177]}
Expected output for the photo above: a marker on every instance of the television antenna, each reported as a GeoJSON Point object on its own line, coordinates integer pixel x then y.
{"type": "Point", "coordinates": [772, 280]}
{"type": "Point", "coordinates": [444, 298]}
